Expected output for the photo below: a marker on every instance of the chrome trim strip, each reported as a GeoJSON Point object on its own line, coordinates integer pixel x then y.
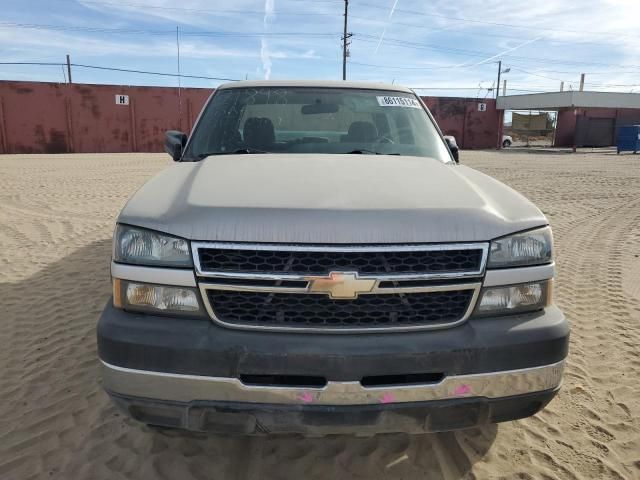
{"type": "Point", "coordinates": [163, 276]}
{"type": "Point", "coordinates": [340, 248]}
{"type": "Point", "coordinates": [188, 388]}
{"type": "Point", "coordinates": [511, 276]}
{"type": "Point", "coordinates": [195, 246]}
{"type": "Point", "coordinates": [379, 291]}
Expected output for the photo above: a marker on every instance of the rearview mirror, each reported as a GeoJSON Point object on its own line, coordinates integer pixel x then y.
{"type": "Point", "coordinates": [453, 147]}
{"type": "Point", "coordinates": [317, 108]}
{"type": "Point", "coordinates": [174, 143]}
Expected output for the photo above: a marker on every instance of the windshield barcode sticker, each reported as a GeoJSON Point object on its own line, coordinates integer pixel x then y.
{"type": "Point", "coordinates": [398, 102]}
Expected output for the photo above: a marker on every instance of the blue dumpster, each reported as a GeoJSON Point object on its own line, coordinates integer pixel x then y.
{"type": "Point", "coordinates": [629, 138]}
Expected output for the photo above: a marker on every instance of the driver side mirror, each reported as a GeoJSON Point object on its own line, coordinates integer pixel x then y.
{"type": "Point", "coordinates": [174, 144]}
{"type": "Point", "coordinates": [453, 147]}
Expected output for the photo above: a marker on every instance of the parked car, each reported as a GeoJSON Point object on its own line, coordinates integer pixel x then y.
{"type": "Point", "coordinates": [453, 145]}
{"type": "Point", "coordinates": [316, 262]}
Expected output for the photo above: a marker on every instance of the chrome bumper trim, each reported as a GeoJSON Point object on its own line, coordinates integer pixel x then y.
{"type": "Point", "coordinates": [187, 388]}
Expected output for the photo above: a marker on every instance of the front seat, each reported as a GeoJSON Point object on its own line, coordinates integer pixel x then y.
{"type": "Point", "coordinates": [361, 132]}
{"type": "Point", "coordinates": [258, 133]}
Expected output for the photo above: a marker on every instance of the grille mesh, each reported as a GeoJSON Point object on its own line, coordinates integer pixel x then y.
{"type": "Point", "coordinates": [322, 263]}
{"type": "Point", "coordinates": [300, 310]}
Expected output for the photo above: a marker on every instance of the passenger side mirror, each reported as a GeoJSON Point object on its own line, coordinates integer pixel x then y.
{"type": "Point", "coordinates": [453, 147]}
{"type": "Point", "coordinates": [174, 144]}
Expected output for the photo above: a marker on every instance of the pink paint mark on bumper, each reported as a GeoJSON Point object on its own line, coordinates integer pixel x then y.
{"type": "Point", "coordinates": [463, 389]}
{"type": "Point", "coordinates": [388, 398]}
{"type": "Point", "coordinates": [306, 397]}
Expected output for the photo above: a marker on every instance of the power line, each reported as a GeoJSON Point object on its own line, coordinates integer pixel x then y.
{"type": "Point", "coordinates": [474, 53]}
{"type": "Point", "coordinates": [145, 72]}
{"type": "Point", "coordinates": [575, 81]}
{"type": "Point", "coordinates": [193, 33]}
{"type": "Point", "coordinates": [537, 75]}
{"type": "Point", "coordinates": [449, 88]}
{"type": "Point", "coordinates": [153, 73]}
{"type": "Point", "coordinates": [36, 26]}
{"type": "Point", "coordinates": [397, 67]}
{"type": "Point", "coordinates": [33, 63]}
{"type": "Point", "coordinates": [484, 22]}
{"type": "Point", "coordinates": [256, 34]}
{"type": "Point", "coordinates": [474, 34]}
{"type": "Point", "coordinates": [200, 10]}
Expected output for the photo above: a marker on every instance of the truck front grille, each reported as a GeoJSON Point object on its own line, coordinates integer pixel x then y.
{"type": "Point", "coordinates": [307, 262]}
{"type": "Point", "coordinates": [339, 288]}
{"type": "Point", "coordinates": [291, 310]}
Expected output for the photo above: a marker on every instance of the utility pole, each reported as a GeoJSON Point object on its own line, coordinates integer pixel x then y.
{"type": "Point", "coordinates": [345, 43]}
{"type": "Point", "coordinates": [582, 82]}
{"type": "Point", "coordinates": [179, 80]}
{"type": "Point", "coordinates": [562, 86]}
{"type": "Point", "coordinates": [69, 68]}
{"type": "Point", "coordinates": [499, 72]}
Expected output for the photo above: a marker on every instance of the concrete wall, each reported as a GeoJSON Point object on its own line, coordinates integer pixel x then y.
{"type": "Point", "coordinates": [37, 117]}
{"type": "Point", "coordinates": [567, 121]}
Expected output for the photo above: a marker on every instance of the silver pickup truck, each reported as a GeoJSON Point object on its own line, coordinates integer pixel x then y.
{"type": "Point", "coordinates": [317, 262]}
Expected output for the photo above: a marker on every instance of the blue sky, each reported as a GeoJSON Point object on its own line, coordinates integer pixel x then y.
{"type": "Point", "coordinates": [449, 47]}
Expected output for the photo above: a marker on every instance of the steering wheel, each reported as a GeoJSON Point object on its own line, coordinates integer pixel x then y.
{"type": "Point", "coordinates": [384, 139]}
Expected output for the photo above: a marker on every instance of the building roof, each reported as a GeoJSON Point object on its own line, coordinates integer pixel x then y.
{"type": "Point", "coordinates": [315, 83]}
{"type": "Point", "coordinates": [570, 99]}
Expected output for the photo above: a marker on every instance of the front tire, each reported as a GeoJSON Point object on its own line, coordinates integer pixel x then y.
{"type": "Point", "coordinates": [506, 144]}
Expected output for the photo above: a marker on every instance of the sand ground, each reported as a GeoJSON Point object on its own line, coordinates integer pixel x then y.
{"type": "Point", "coordinates": [56, 220]}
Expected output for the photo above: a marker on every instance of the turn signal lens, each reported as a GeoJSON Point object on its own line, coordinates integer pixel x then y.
{"type": "Point", "coordinates": [514, 299]}
{"type": "Point", "coordinates": [162, 298]}
{"type": "Point", "coordinates": [156, 299]}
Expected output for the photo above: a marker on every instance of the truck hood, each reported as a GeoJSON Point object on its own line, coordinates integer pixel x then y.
{"type": "Point", "coordinates": [329, 199]}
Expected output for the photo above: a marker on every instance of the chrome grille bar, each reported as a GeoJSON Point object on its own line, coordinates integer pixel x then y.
{"type": "Point", "coordinates": [484, 247]}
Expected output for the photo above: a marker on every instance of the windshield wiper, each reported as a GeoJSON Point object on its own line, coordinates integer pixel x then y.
{"type": "Point", "coordinates": [364, 151]}
{"type": "Point", "coordinates": [234, 152]}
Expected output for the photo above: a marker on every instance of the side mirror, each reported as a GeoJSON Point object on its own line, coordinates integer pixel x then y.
{"type": "Point", "coordinates": [174, 143]}
{"type": "Point", "coordinates": [453, 147]}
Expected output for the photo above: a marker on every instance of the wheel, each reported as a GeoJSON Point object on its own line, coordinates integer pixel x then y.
{"type": "Point", "coordinates": [506, 144]}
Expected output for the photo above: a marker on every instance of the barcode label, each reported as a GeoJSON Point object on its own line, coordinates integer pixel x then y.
{"type": "Point", "coordinates": [398, 102]}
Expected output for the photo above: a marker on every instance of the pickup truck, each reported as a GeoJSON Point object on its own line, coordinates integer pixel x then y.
{"type": "Point", "coordinates": [316, 262]}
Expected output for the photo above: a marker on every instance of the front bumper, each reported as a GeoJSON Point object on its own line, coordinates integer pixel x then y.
{"type": "Point", "coordinates": [186, 373]}
{"type": "Point", "coordinates": [316, 420]}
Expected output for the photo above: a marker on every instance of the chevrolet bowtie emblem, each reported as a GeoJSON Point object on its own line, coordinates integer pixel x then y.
{"type": "Point", "coordinates": [341, 285]}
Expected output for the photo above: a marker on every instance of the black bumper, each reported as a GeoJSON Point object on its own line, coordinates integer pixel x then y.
{"type": "Point", "coordinates": [256, 419]}
{"type": "Point", "coordinates": [200, 347]}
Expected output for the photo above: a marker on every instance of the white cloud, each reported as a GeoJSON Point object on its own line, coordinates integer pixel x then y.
{"type": "Point", "coordinates": [265, 54]}
{"type": "Point", "coordinates": [266, 58]}
{"type": "Point", "coordinates": [566, 26]}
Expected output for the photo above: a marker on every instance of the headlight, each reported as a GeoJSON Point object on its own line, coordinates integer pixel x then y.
{"type": "Point", "coordinates": [146, 247]}
{"type": "Point", "coordinates": [161, 299]}
{"type": "Point", "coordinates": [521, 298]}
{"type": "Point", "coordinates": [534, 247]}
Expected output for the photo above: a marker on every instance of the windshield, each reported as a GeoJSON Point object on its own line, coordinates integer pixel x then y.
{"type": "Point", "coordinates": [315, 120]}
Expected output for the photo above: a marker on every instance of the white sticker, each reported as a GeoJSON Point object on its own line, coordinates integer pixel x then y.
{"type": "Point", "coordinates": [122, 99]}
{"type": "Point", "coordinates": [398, 102]}
{"type": "Point", "coordinates": [482, 107]}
